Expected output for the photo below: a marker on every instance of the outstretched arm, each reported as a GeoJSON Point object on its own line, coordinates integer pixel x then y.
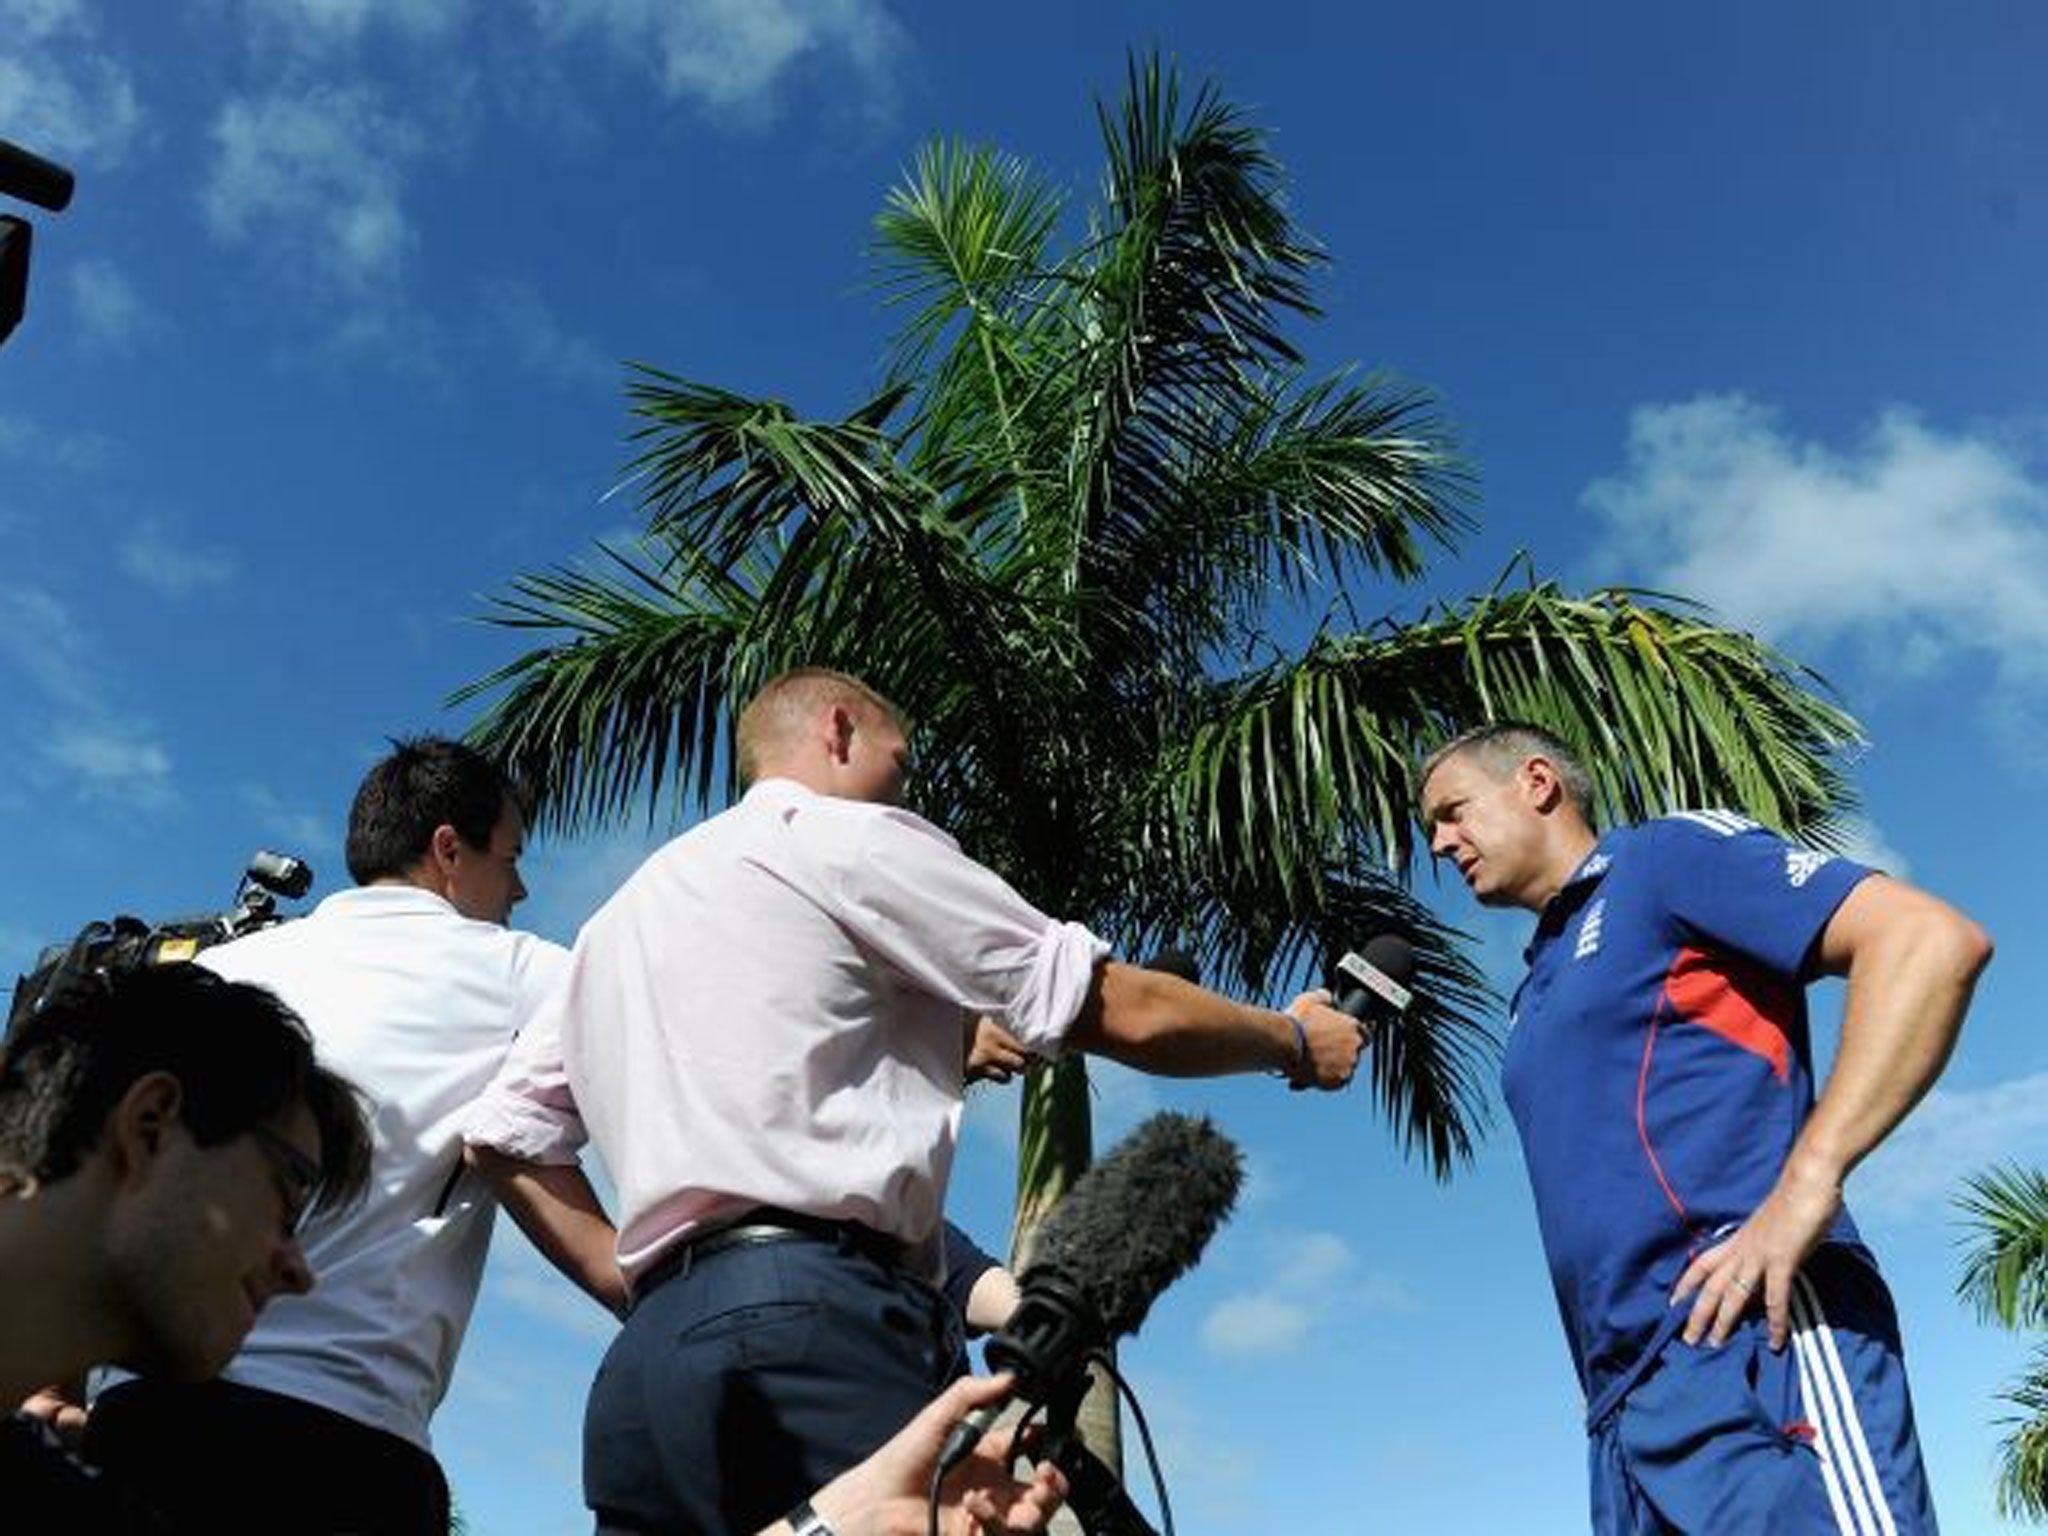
{"type": "Point", "coordinates": [1912, 962]}
{"type": "Point", "coordinates": [1158, 1023]}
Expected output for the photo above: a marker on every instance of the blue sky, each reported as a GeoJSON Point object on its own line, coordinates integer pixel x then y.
{"type": "Point", "coordinates": [1742, 301]}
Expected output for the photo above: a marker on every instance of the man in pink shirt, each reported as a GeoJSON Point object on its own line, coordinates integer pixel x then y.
{"type": "Point", "coordinates": [761, 1032]}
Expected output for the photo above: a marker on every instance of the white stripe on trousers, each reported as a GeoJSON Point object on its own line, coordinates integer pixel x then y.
{"type": "Point", "coordinates": [1849, 1474]}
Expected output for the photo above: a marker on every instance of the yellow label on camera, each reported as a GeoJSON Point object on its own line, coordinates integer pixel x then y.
{"type": "Point", "coordinates": [170, 951]}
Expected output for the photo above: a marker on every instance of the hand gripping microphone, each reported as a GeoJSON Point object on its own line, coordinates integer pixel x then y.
{"type": "Point", "coordinates": [1373, 985]}
{"type": "Point", "coordinates": [1131, 1226]}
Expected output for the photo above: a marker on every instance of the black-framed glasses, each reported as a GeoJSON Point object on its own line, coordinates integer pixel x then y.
{"type": "Point", "coordinates": [297, 1175]}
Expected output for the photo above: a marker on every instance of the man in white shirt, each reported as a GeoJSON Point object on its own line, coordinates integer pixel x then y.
{"type": "Point", "coordinates": [413, 988]}
{"type": "Point", "coordinates": [762, 1034]}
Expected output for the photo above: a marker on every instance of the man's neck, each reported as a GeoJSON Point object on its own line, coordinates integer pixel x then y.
{"type": "Point", "coordinates": [1569, 848]}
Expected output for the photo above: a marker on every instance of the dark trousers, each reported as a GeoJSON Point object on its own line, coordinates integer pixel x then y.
{"type": "Point", "coordinates": [228, 1459]}
{"type": "Point", "coordinates": [744, 1380]}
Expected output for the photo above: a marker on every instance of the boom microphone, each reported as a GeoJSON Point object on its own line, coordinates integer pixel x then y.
{"type": "Point", "coordinates": [1131, 1226]}
{"type": "Point", "coordinates": [1371, 985]}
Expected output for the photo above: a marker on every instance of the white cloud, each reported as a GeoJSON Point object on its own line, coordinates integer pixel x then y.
{"type": "Point", "coordinates": [1257, 1325]}
{"type": "Point", "coordinates": [1310, 1284]}
{"type": "Point", "coordinates": [292, 829]}
{"type": "Point", "coordinates": [60, 96]}
{"type": "Point", "coordinates": [100, 753]}
{"type": "Point", "coordinates": [312, 24]}
{"type": "Point", "coordinates": [38, 634]}
{"type": "Point", "coordinates": [731, 57]}
{"type": "Point", "coordinates": [312, 178]}
{"type": "Point", "coordinates": [165, 563]}
{"type": "Point", "coordinates": [1954, 1132]}
{"type": "Point", "coordinates": [28, 441]}
{"type": "Point", "coordinates": [111, 760]}
{"type": "Point", "coordinates": [540, 344]}
{"type": "Point", "coordinates": [1914, 545]}
{"type": "Point", "coordinates": [110, 312]}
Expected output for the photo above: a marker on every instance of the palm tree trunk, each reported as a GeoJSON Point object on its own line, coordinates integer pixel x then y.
{"type": "Point", "coordinates": [1055, 1144]}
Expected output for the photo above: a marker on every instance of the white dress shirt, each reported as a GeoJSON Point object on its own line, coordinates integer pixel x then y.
{"type": "Point", "coordinates": [770, 1012]}
{"type": "Point", "coordinates": [416, 1005]}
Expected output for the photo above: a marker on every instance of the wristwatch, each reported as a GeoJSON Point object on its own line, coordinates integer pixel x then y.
{"type": "Point", "coordinates": [806, 1521]}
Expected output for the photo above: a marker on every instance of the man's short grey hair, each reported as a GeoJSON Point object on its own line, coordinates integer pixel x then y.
{"type": "Point", "coordinates": [1502, 747]}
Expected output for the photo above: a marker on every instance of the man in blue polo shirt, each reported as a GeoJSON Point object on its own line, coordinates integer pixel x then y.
{"type": "Point", "coordinates": [1688, 1186]}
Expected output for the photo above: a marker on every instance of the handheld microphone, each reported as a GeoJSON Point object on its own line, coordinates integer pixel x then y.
{"type": "Point", "coordinates": [1372, 985]}
{"type": "Point", "coordinates": [1131, 1226]}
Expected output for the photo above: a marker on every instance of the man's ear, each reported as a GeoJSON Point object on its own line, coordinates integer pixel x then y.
{"type": "Point", "coordinates": [140, 1119]}
{"type": "Point", "coordinates": [841, 732]}
{"type": "Point", "coordinates": [444, 848]}
{"type": "Point", "coordinates": [1541, 782]}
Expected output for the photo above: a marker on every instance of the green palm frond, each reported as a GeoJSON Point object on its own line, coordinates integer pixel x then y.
{"type": "Point", "coordinates": [2023, 1453]}
{"type": "Point", "coordinates": [1196, 268]}
{"type": "Point", "coordinates": [1668, 709]}
{"type": "Point", "coordinates": [589, 724]}
{"type": "Point", "coordinates": [2005, 1261]}
{"type": "Point", "coordinates": [962, 240]}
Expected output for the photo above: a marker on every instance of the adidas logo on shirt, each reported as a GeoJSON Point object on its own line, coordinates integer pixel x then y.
{"type": "Point", "coordinates": [1800, 863]}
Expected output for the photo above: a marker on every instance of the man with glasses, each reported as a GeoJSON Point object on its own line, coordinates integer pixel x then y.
{"type": "Point", "coordinates": [162, 1132]}
{"type": "Point", "coordinates": [411, 985]}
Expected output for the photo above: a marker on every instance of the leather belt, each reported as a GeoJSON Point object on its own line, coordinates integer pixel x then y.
{"type": "Point", "coordinates": [772, 1224]}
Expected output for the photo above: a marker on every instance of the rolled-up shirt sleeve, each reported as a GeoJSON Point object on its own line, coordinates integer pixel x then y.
{"type": "Point", "coordinates": [956, 929]}
{"type": "Point", "coordinates": [529, 1110]}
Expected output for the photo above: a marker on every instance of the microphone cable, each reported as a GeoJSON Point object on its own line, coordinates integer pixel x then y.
{"type": "Point", "coordinates": [1125, 1394]}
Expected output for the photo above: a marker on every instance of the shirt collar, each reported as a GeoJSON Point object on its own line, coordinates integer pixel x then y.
{"type": "Point", "coordinates": [1572, 895]}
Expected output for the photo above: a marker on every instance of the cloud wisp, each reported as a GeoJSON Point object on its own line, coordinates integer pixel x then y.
{"type": "Point", "coordinates": [1916, 548]}
{"type": "Point", "coordinates": [61, 94]}
{"type": "Point", "coordinates": [732, 58]}
{"type": "Point", "coordinates": [313, 179]}
{"type": "Point", "coordinates": [1954, 1132]}
{"type": "Point", "coordinates": [99, 752]}
{"type": "Point", "coordinates": [111, 314]}
{"type": "Point", "coordinates": [1310, 1284]}
{"type": "Point", "coordinates": [157, 558]}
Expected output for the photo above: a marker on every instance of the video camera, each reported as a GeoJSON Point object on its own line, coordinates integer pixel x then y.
{"type": "Point", "coordinates": [127, 943]}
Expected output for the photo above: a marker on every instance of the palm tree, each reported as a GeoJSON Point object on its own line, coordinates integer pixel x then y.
{"type": "Point", "coordinates": [1065, 535]}
{"type": "Point", "coordinates": [2005, 1278]}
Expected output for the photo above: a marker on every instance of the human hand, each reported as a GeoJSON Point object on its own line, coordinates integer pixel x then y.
{"type": "Point", "coordinates": [993, 1054]}
{"type": "Point", "coordinates": [56, 1408]}
{"type": "Point", "coordinates": [1335, 1042]}
{"type": "Point", "coordinates": [1758, 1261]}
{"type": "Point", "coordinates": [885, 1495]}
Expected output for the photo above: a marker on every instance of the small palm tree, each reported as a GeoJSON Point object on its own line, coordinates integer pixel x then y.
{"type": "Point", "coordinates": [1066, 536]}
{"type": "Point", "coordinates": [2005, 1279]}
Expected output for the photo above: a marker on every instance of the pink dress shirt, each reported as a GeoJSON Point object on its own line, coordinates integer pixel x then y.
{"type": "Point", "coordinates": [770, 1012]}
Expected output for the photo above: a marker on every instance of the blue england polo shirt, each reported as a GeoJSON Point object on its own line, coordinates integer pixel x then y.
{"type": "Point", "coordinates": [1658, 1066]}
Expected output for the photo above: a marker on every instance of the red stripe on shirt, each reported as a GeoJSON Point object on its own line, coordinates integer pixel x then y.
{"type": "Point", "coordinates": [1739, 1002]}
